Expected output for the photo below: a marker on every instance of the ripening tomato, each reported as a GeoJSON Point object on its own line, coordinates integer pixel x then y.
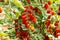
{"type": "Point", "coordinates": [32, 28]}
{"type": "Point", "coordinates": [46, 6]}
{"type": "Point", "coordinates": [58, 34]}
{"type": "Point", "coordinates": [1, 9]}
{"type": "Point", "coordinates": [49, 2]}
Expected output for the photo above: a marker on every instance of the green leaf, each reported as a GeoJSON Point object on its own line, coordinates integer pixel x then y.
{"type": "Point", "coordinates": [18, 4]}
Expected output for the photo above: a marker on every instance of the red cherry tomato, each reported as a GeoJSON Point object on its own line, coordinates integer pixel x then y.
{"type": "Point", "coordinates": [28, 1]}
{"type": "Point", "coordinates": [52, 13]}
{"type": "Point", "coordinates": [49, 2]}
{"type": "Point", "coordinates": [58, 30]}
{"type": "Point", "coordinates": [34, 20]}
{"type": "Point", "coordinates": [48, 23]}
{"type": "Point", "coordinates": [27, 24]}
{"type": "Point", "coordinates": [31, 7]}
{"type": "Point", "coordinates": [31, 17]}
{"type": "Point", "coordinates": [58, 34]}
{"type": "Point", "coordinates": [46, 6]}
{"type": "Point", "coordinates": [56, 23]}
{"type": "Point", "coordinates": [26, 7]}
{"type": "Point", "coordinates": [24, 21]}
{"type": "Point", "coordinates": [1, 9]}
{"type": "Point", "coordinates": [17, 34]}
{"type": "Point", "coordinates": [48, 11]}
{"type": "Point", "coordinates": [24, 16]}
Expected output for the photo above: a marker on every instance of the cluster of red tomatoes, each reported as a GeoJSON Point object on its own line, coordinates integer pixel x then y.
{"type": "Point", "coordinates": [22, 34]}
{"type": "Point", "coordinates": [57, 29]}
{"type": "Point", "coordinates": [28, 16]}
{"type": "Point", "coordinates": [51, 13]}
{"type": "Point", "coordinates": [57, 32]}
{"type": "Point", "coordinates": [49, 9]}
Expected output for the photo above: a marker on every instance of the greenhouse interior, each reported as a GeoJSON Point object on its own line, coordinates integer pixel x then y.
{"type": "Point", "coordinates": [29, 19]}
